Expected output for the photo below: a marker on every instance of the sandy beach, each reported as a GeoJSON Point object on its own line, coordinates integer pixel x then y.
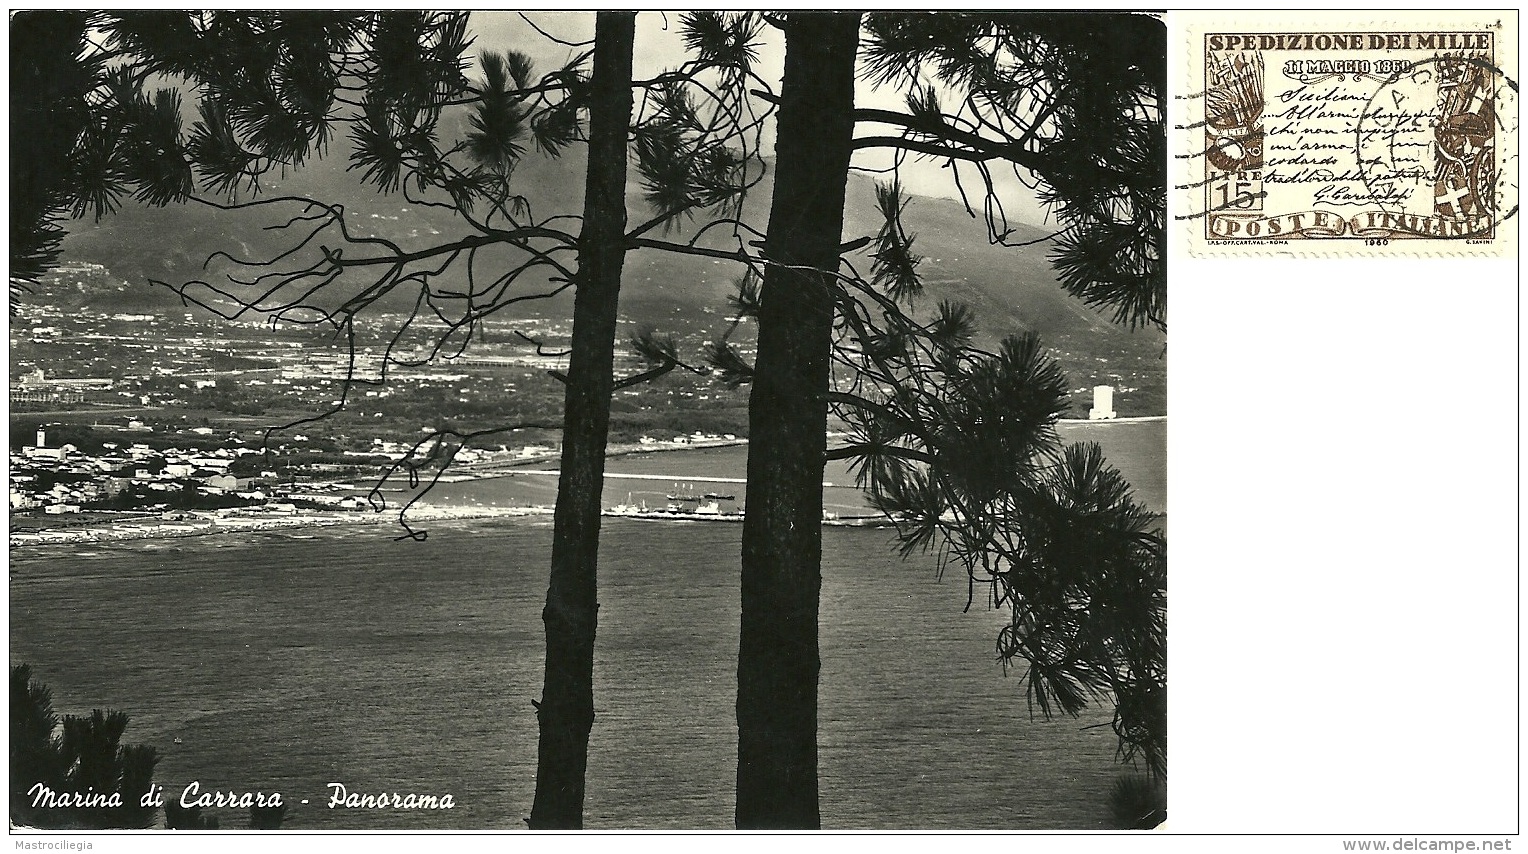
{"type": "Point", "coordinates": [200, 524]}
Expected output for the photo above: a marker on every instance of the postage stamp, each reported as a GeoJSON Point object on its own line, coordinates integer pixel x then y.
{"type": "Point", "coordinates": [1304, 133]}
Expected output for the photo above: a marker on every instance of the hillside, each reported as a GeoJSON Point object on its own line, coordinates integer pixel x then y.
{"type": "Point", "coordinates": [1011, 289]}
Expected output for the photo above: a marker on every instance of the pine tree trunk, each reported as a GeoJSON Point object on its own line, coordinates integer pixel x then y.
{"type": "Point", "coordinates": [782, 535]}
{"type": "Point", "coordinates": [566, 713]}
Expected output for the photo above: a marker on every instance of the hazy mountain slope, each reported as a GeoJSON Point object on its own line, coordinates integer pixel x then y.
{"type": "Point", "coordinates": [1011, 289]}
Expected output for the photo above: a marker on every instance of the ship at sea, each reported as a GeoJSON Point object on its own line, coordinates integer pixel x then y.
{"type": "Point", "coordinates": [711, 511]}
{"type": "Point", "coordinates": [688, 493]}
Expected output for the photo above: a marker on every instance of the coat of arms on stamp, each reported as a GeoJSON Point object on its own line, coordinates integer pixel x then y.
{"type": "Point", "coordinates": [1390, 140]}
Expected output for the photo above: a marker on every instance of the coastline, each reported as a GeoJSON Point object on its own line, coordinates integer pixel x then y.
{"type": "Point", "coordinates": [209, 523]}
{"type": "Point", "coordinates": [147, 526]}
{"type": "Point", "coordinates": [504, 468]}
{"type": "Point", "coordinates": [1129, 419]}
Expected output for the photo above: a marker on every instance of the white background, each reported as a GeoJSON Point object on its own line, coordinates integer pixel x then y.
{"type": "Point", "coordinates": [1343, 497]}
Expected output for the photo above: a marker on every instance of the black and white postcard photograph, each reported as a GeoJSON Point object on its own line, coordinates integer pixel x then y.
{"type": "Point", "coordinates": [727, 421]}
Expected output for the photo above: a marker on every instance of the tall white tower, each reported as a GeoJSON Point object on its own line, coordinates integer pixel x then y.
{"type": "Point", "coordinates": [42, 437]}
{"type": "Point", "coordinates": [1103, 403]}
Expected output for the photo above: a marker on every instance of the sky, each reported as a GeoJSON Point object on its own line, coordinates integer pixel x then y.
{"type": "Point", "coordinates": [659, 47]}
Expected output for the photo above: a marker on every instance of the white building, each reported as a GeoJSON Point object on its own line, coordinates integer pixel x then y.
{"type": "Point", "coordinates": [59, 454]}
{"type": "Point", "coordinates": [1103, 403]}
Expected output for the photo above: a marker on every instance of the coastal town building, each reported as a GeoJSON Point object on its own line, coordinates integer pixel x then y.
{"type": "Point", "coordinates": [35, 387]}
{"type": "Point", "coordinates": [42, 451]}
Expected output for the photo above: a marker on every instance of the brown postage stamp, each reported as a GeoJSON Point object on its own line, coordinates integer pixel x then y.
{"type": "Point", "coordinates": [1308, 133]}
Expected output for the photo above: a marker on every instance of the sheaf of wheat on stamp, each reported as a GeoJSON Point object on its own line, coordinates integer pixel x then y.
{"type": "Point", "coordinates": [1304, 133]}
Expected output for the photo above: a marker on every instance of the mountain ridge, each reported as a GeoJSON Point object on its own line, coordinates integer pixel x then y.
{"type": "Point", "coordinates": [1010, 289]}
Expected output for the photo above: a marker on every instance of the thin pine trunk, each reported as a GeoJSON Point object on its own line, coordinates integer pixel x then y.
{"type": "Point", "coordinates": [566, 712]}
{"type": "Point", "coordinates": [782, 537]}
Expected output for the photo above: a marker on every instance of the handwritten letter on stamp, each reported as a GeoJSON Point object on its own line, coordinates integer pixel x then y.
{"type": "Point", "coordinates": [1314, 134]}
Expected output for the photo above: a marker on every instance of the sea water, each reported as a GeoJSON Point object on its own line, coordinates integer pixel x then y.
{"type": "Point", "coordinates": [264, 662]}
